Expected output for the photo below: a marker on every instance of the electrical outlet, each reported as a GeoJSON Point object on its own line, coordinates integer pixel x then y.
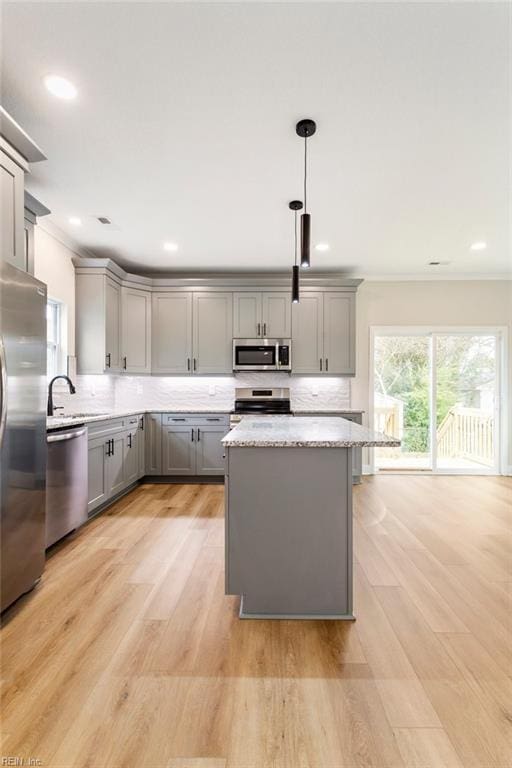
{"type": "Point", "coordinates": [314, 390]}
{"type": "Point", "coordinates": [211, 390]}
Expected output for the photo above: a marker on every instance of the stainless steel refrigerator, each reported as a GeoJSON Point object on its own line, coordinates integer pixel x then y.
{"type": "Point", "coordinates": [22, 431]}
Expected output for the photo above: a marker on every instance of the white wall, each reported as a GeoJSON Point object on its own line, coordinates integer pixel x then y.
{"type": "Point", "coordinates": [53, 265]}
{"type": "Point", "coordinates": [439, 302]}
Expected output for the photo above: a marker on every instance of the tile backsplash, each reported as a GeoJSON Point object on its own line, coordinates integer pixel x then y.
{"type": "Point", "coordinates": [104, 393]}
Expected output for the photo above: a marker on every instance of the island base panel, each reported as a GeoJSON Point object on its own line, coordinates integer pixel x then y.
{"type": "Point", "coordinates": [289, 531]}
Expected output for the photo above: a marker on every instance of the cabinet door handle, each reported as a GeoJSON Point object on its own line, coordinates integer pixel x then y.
{"type": "Point", "coordinates": [212, 418]}
{"type": "Point", "coordinates": [177, 419]}
{"type": "Point", "coordinates": [113, 446]}
{"type": "Point", "coordinates": [195, 364]}
{"type": "Point", "coordinates": [108, 447]}
{"type": "Point", "coordinates": [188, 363]}
{"type": "Point", "coordinates": [326, 363]}
{"type": "Point", "coordinates": [124, 363]}
{"type": "Point", "coordinates": [264, 329]}
{"type": "Point", "coordinates": [259, 329]}
{"type": "Point", "coordinates": [198, 434]}
{"type": "Point", "coordinates": [130, 440]}
{"type": "Point", "coordinates": [192, 435]}
{"type": "Point", "coordinates": [320, 363]}
{"type": "Point", "coordinates": [108, 358]}
{"type": "Point", "coordinates": [142, 423]}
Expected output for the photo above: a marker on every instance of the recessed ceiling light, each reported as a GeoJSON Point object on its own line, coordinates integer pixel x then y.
{"type": "Point", "coordinates": [322, 247]}
{"type": "Point", "coordinates": [170, 247]}
{"type": "Point", "coordinates": [479, 246]}
{"type": "Point", "coordinates": [75, 221]}
{"type": "Point", "coordinates": [60, 87]}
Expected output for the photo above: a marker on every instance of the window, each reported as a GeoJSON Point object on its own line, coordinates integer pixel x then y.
{"type": "Point", "coordinates": [53, 338]}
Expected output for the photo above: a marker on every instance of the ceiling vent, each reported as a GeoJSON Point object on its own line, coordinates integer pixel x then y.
{"type": "Point", "coordinates": [104, 220]}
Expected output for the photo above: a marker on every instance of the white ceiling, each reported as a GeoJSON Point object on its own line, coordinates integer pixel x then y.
{"type": "Point", "coordinates": [183, 130]}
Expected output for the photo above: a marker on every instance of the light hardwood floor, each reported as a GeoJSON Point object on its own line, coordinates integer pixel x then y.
{"type": "Point", "coordinates": [129, 653]}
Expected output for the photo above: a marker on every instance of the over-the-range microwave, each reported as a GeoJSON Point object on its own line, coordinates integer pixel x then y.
{"type": "Point", "coordinates": [262, 355]}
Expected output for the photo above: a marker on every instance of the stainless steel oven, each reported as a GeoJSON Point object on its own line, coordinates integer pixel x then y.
{"type": "Point", "coordinates": [262, 355]}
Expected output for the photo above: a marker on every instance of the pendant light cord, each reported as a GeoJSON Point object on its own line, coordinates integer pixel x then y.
{"type": "Point", "coordinates": [305, 173]}
{"type": "Point", "coordinates": [295, 234]}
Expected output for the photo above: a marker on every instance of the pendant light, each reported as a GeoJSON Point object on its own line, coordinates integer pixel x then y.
{"type": "Point", "coordinates": [305, 129]}
{"type": "Point", "coordinates": [295, 206]}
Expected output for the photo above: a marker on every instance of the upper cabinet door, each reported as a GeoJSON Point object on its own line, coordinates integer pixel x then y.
{"type": "Point", "coordinates": [12, 179]}
{"type": "Point", "coordinates": [307, 334]}
{"type": "Point", "coordinates": [247, 322]}
{"type": "Point", "coordinates": [339, 333]}
{"type": "Point", "coordinates": [277, 314]}
{"type": "Point", "coordinates": [172, 332]}
{"type": "Point", "coordinates": [112, 326]}
{"type": "Point", "coordinates": [136, 335]}
{"type": "Point", "coordinates": [213, 332]}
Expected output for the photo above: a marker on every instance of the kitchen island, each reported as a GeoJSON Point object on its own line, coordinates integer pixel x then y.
{"type": "Point", "coordinates": [289, 515]}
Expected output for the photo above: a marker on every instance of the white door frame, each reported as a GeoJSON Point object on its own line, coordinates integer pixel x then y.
{"type": "Point", "coordinates": [501, 400]}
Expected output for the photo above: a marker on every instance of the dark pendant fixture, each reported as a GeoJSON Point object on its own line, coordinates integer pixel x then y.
{"type": "Point", "coordinates": [305, 129]}
{"type": "Point", "coordinates": [295, 206]}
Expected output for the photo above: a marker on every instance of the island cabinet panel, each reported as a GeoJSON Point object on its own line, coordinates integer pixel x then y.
{"type": "Point", "coordinates": [178, 450]}
{"type": "Point", "coordinates": [136, 330]}
{"type": "Point", "coordinates": [289, 544]}
{"type": "Point", "coordinates": [153, 443]}
{"type": "Point", "coordinates": [12, 180]}
{"type": "Point", "coordinates": [172, 332]}
{"type": "Point", "coordinates": [247, 315]}
{"type": "Point", "coordinates": [209, 450]}
{"type": "Point", "coordinates": [212, 332]}
{"type": "Point", "coordinates": [339, 335]}
{"type": "Point", "coordinates": [307, 334]}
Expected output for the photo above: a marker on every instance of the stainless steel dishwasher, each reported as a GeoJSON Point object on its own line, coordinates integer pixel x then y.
{"type": "Point", "coordinates": [66, 482]}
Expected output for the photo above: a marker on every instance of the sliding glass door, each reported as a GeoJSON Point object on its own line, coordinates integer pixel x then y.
{"type": "Point", "coordinates": [438, 392]}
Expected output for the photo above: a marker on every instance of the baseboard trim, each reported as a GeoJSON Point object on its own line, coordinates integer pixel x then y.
{"type": "Point", "coordinates": [184, 479]}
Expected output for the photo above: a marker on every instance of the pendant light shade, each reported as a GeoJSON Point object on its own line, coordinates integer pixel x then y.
{"type": "Point", "coordinates": [305, 129]}
{"type": "Point", "coordinates": [295, 284]}
{"type": "Point", "coordinates": [295, 206]}
{"type": "Point", "coordinates": [305, 239]}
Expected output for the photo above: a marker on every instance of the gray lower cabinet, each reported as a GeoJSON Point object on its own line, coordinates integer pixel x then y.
{"type": "Point", "coordinates": [141, 445]}
{"type": "Point", "coordinates": [113, 458]}
{"type": "Point", "coordinates": [209, 450]}
{"type": "Point", "coordinates": [153, 443]}
{"type": "Point", "coordinates": [178, 450]}
{"type": "Point", "coordinates": [188, 445]}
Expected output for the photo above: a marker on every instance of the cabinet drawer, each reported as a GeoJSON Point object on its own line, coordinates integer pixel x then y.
{"type": "Point", "coordinates": [196, 420]}
{"type": "Point", "coordinates": [107, 427]}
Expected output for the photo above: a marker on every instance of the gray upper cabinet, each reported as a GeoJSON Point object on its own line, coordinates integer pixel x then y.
{"type": "Point", "coordinates": [12, 180]}
{"type": "Point", "coordinates": [247, 315]}
{"type": "Point", "coordinates": [136, 330]}
{"type": "Point", "coordinates": [98, 324]}
{"type": "Point", "coordinates": [276, 314]}
{"type": "Point", "coordinates": [307, 333]}
{"type": "Point", "coordinates": [212, 332]}
{"type": "Point", "coordinates": [339, 333]}
{"type": "Point", "coordinates": [324, 333]}
{"type": "Point", "coordinates": [172, 332]}
{"type": "Point", "coordinates": [262, 314]}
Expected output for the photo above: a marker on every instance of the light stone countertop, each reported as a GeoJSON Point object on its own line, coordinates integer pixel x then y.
{"type": "Point", "coordinates": [55, 422]}
{"type": "Point", "coordinates": [304, 432]}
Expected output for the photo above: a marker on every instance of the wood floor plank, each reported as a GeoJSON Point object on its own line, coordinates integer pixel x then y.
{"type": "Point", "coordinates": [426, 748]}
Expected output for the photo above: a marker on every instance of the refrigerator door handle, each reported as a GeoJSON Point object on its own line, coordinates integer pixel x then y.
{"type": "Point", "coordinates": [3, 390]}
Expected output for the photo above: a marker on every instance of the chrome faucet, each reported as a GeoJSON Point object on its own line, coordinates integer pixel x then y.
{"type": "Point", "coordinates": [51, 407]}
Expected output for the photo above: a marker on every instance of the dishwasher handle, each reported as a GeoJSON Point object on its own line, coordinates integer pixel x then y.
{"type": "Point", "coordinates": [59, 437]}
